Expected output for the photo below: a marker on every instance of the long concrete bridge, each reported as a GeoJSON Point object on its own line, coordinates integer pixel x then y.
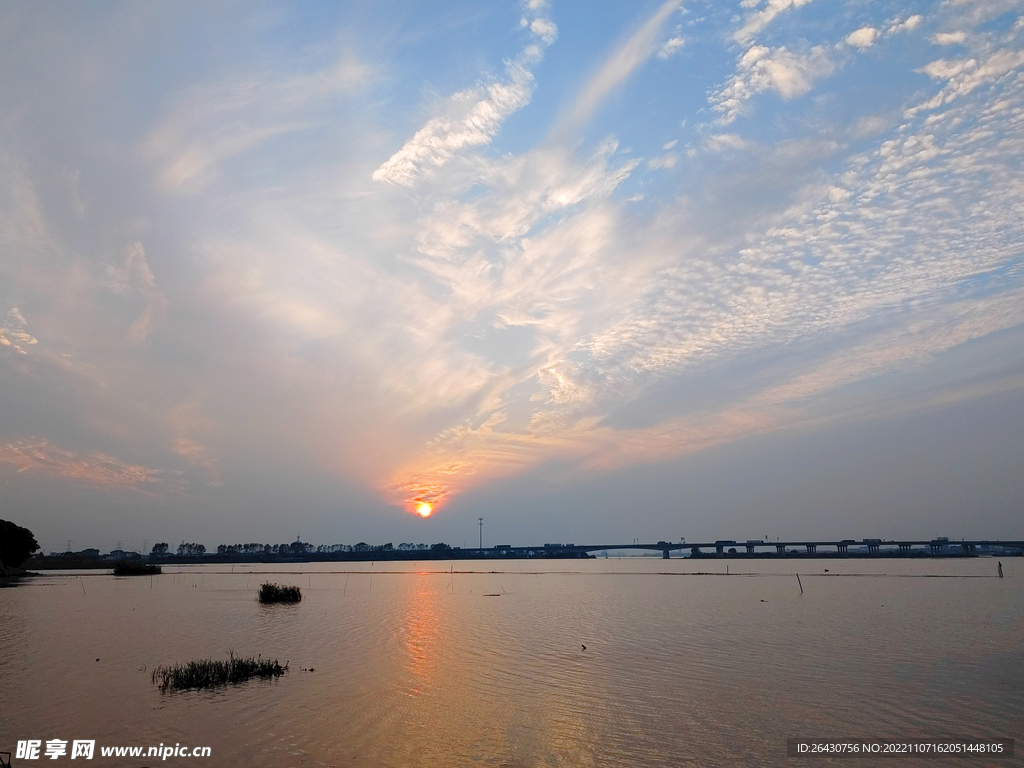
{"type": "Point", "coordinates": [939, 547]}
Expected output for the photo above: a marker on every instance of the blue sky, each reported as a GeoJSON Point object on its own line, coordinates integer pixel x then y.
{"type": "Point", "coordinates": [590, 270]}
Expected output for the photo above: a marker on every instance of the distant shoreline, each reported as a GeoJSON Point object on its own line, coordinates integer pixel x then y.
{"type": "Point", "coordinates": [58, 562]}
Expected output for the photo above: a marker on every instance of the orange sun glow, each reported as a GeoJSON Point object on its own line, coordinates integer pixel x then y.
{"type": "Point", "coordinates": [424, 509]}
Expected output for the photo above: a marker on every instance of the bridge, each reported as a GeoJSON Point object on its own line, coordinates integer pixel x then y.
{"type": "Point", "coordinates": [938, 547]}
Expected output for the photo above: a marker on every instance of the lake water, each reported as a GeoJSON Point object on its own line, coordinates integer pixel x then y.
{"type": "Point", "coordinates": [416, 666]}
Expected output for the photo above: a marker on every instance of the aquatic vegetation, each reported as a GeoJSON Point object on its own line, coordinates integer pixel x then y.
{"type": "Point", "coordinates": [207, 673]}
{"type": "Point", "coordinates": [278, 593]}
{"type": "Point", "coordinates": [135, 568]}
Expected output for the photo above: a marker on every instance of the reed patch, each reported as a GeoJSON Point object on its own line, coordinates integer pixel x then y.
{"type": "Point", "coordinates": [278, 593]}
{"type": "Point", "coordinates": [135, 568]}
{"type": "Point", "coordinates": [207, 673]}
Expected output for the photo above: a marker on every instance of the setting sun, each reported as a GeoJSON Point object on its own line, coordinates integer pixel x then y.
{"type": "Point", "coordinates": [424, 509]}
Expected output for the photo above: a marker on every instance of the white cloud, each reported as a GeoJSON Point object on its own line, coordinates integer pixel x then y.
{"type": "Point", "coordinates": [755, 22]}
{"type": "Point", "coordinates": [665, 161]}
{"type": "Point", "coordinates": [670, 47]}
{"type": "Point", "coordinates": [763, 69]}
{"type": "Point", "coordinates": [619, 66]}
{"type": "Point", "coordinates": [473, 116]}
{"type": "Point", "coordinates": [904, 25]}
{"type": "Point", "coordinates": [211, 124]}
{"type": "Point", "coordinates": [863, 38]}
{"type": "Point", "coordinates": [963, 76]}
{"type": "Point", "coordinates": [721, 142]}
{"type": "Point", "coordinates": [949, 38]}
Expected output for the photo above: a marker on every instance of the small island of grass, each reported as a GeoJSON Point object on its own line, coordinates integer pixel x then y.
{"type": "Point", "coordinates": [277, 593]}
{"type": "Point", "coordinates": [207, 673]}
{"type": "Point", "coordinates": [135, 568]}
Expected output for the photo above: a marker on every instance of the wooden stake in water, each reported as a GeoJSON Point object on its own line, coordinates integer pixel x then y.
{"type": "Point", "coordinates": [800, 583]}
{"type": "Point", "coordinates": [1000, 566]}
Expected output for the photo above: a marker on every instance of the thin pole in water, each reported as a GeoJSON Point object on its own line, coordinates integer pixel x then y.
{"type": "Point", "coordinates": [1000, 565]}
{"type": "Point", "coordinates": [82, 583]}
{"type": "Point", "coordinates": [800, 583]}
{"type": "Point", "coordinates": [345, 592]}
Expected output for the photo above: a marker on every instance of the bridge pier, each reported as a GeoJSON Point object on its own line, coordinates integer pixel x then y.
{"type": "Point", "coordinates": [873, 549]}
{"type": "Point", "coordinates": [750, 549]}
{"type": "Point", "coordinates": [664, 554]}
{"type": "Point", "coordinates": [904, 549]}
{"type": "Point", "coordinates": [719, 550]}
{"type": "Point", "coordinates": [811, 548]}
{"type": "Point", "coordinates": [841, 548]}
{"type": "Point", "coordinates": [967, 548]}
{"type": "Point", "coordinates": [780, 549]}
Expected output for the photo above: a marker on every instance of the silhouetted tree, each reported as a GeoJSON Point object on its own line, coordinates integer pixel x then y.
{"type": "Point", "coordinates": [16, 544]}
{"type": "Point", "coordinates": [160, 549]}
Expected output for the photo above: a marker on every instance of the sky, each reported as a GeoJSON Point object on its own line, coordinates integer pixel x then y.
{"type": "Point", "coordinates": [591, 271]}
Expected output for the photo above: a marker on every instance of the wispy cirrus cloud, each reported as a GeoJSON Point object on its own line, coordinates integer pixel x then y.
{"type": "Point", "coordinates": [473, 117]}
{"type": "Point", "coordinates": [94, 468]}
{"type": "Point", "coordinates": [637, 49]}
{"type": "Point", "coordinates": [208, 125]}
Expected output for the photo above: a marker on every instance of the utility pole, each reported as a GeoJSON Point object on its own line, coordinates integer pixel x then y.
{"type": "Point", "coordinates": [481, 532]}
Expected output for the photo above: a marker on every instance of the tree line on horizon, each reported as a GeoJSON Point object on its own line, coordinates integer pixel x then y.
{"type": "Point", "coordinates": [294, 549]}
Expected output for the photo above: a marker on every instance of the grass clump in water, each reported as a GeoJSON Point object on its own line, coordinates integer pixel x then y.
{"type": "Point", "coordinates": [135, 568]}
{"type": "Point", "coordinates": [207, 673]}
{"type": "Point", "coordinates": [277, 593]}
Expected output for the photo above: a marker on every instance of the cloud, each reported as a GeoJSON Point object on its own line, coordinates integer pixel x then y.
{"type": "Point", "coordinates": [208, 125]}
{"type": "Point", "coordinates": [14, 334]}
{"type": "Point", "coordinates": [905, 25]}
{"type": "Point", "coordinates": [40, 455]}
{"type": "Point", "coordinates": [949, 38]}
{"type": "Point", "coordinates": [863, 38]}
{"type": "Point", "coordinates": [763, 69]}
{"type": "Point", "coordinates": [963, 76]}
{"type": "Point", "coordinates": [756, 21]}
{"type": "Point", "coordinates": [135, 274]}
{"type": "Point", "coordinates": [473, 116]}
{"type": "Point", "coordinates": [637, 49]}
{"type": "Point", "coordinates": [665, 161]}
{"type": "Point", "coordinates": [721, 142]}
{"type": "Point", "coordinates": [670, 47]}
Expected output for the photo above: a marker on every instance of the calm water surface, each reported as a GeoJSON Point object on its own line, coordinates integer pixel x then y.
{"type": "Point", "coordinates": [419, 667]}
